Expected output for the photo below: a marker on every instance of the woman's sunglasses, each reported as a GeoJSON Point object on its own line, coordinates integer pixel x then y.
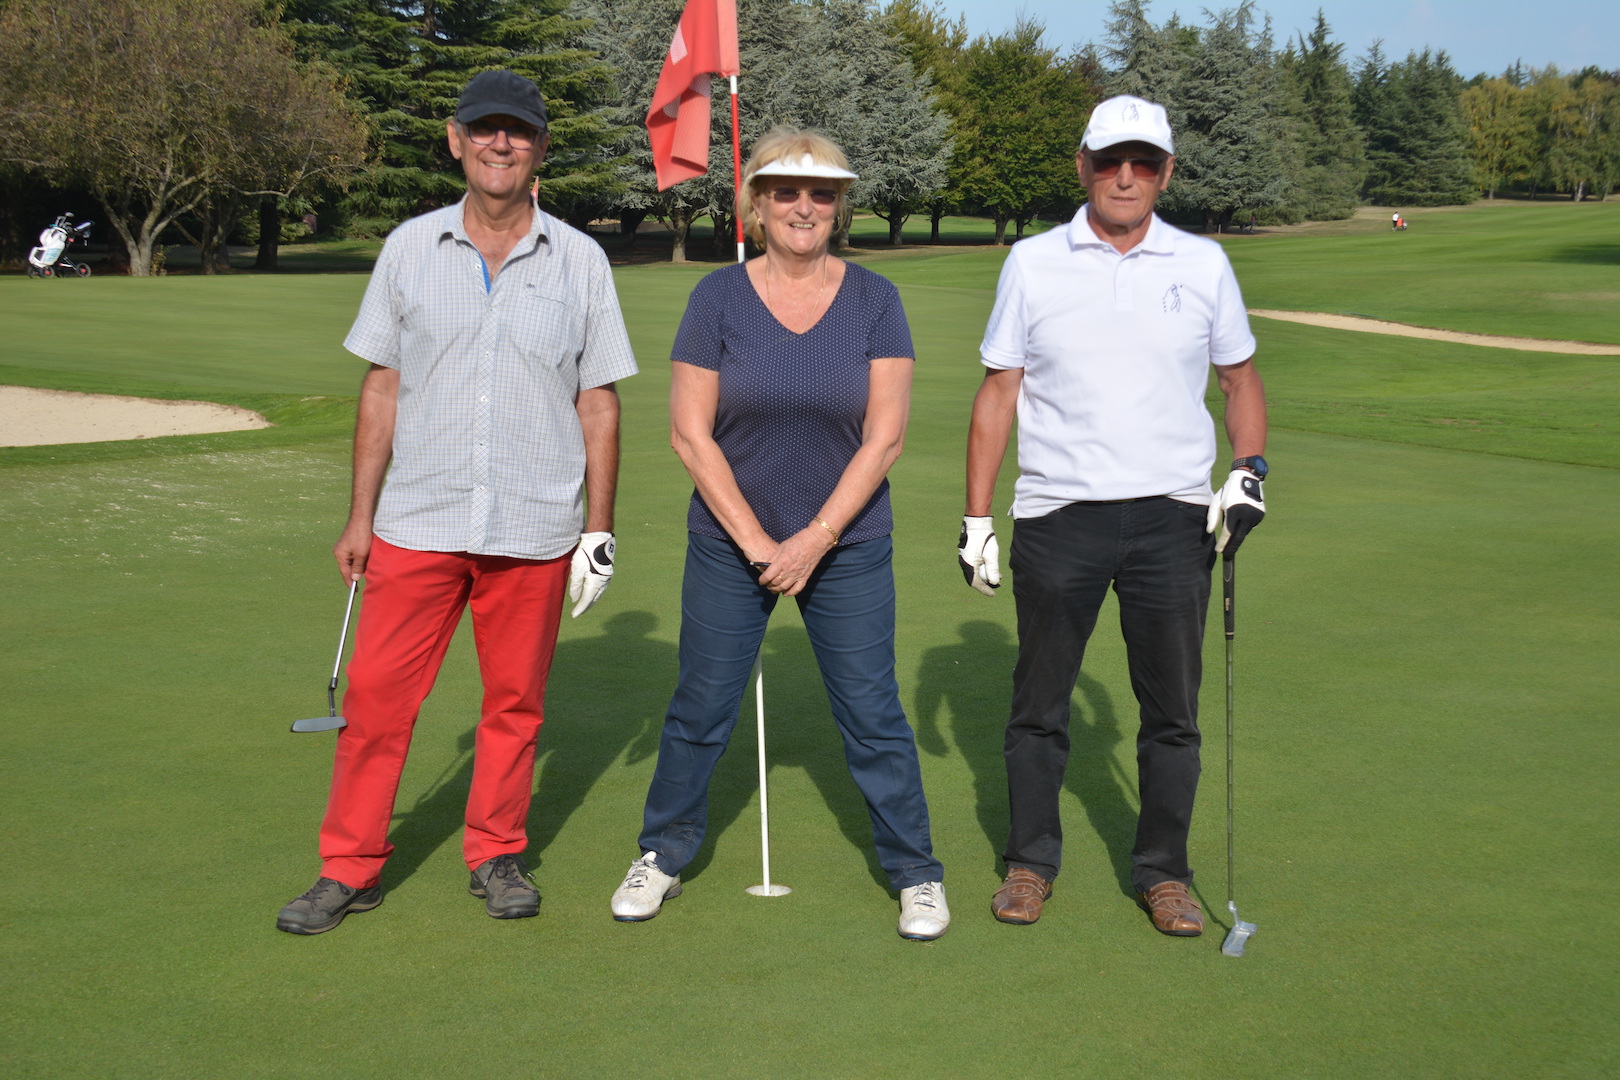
{"type": "Point", "coordinates": [819, 196]}
{"type": "Point", "coordinates": [1143, 168]}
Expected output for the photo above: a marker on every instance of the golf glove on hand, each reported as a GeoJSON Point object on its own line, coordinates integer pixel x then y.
{"type": "Point", "coordinates": [979, 555]}
{"type": "Point", "coordinates": [591, 571]}
{"type": "Point", "coordinates": [1238, 507]}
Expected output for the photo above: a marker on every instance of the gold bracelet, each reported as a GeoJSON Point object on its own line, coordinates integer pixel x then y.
{"type": "Point", "coordinates": [828, 527]}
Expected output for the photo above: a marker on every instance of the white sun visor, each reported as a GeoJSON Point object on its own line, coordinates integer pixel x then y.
{"type": "Point", "coordinates": [805, 166]}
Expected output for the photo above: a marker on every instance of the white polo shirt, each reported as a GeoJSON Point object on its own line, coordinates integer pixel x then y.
{"type": "Point", "coordinates": [1116, 352]}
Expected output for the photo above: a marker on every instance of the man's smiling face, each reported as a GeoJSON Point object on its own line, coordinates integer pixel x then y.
{"type": "Point", "coordinates": [497, 169]}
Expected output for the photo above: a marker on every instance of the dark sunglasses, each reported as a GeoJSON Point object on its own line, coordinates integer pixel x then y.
{"type": "Point", "coordinates": [819, 196]}
{"type": "Point", "coordinates": [1143, 168]}
{"type": "Point", "coordinates": [520, 136]}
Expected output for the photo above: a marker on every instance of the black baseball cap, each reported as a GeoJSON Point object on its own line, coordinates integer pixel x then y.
{"type": "Point", "coordinates": [491, 93]}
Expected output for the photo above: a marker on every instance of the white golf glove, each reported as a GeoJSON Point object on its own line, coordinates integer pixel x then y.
{"type": "Point", "coordinates": [592, 570]}
{"type": "Point", "coordinates": [1238, 507]}
{"type": "Point", "coordinates": [979, 555]}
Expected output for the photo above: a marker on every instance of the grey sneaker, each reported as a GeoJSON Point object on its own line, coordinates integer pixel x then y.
{"type": "Point", "coordinates": [324, 906]}
{"type": "Point", "coordinates": [503, 884]}
{"type": "Point", "coordinates": [644, 890]}
{"type": "Point", "coordinates": [923, 914]}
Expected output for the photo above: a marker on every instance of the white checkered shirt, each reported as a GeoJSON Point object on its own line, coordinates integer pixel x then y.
{"type": "Point", "coordinates": [488, 453]}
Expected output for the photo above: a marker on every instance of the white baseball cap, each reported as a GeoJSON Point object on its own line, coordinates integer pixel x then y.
{"type": "Point", "coordinates": [1128, 119]}
{"type": "Point", "coordinates": [805, 166]}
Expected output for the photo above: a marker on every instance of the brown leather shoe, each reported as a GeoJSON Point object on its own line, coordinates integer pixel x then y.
{"type": "Point", "coordinates": [1020, 897]}
{"type": "Point", "coordinates": [1174, 912]}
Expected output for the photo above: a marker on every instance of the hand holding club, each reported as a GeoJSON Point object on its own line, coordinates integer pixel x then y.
{"type": "Point", "coordinates": [1238, 507]}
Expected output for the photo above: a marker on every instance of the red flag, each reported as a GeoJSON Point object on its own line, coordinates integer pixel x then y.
{"type": "Point", "coordinates": [678, 122]}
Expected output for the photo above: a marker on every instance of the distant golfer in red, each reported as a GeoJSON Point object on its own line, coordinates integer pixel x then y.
{"type": "Point", "coordinates": [495, 338]}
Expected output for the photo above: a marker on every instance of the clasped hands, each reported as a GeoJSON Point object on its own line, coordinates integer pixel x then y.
{"type": "Point", "coordinates": [785, 569]}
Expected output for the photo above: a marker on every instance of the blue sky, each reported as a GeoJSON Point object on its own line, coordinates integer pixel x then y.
{"type": "Point", "coordinates": [1482, 35]}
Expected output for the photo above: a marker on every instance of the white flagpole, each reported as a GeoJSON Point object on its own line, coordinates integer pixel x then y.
{"type": "Point", "coordinates": [766, 889]}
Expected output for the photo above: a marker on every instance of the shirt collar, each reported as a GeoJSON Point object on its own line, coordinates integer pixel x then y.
{"type": "Point", "coordinates": [457, 228]}
{"type": "Point", "coordinates": [1160, 238]}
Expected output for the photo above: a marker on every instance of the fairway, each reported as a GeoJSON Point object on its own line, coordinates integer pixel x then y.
{"type": "Point", "coordinates": [1426, 630]}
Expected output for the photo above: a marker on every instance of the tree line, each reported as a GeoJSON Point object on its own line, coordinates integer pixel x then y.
{"type": "Point", "coordinates": [211, 120]}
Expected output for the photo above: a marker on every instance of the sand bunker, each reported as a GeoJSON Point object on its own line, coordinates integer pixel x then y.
{"type": "Point", "coordinates": [1493, 341]}
{"type": "Point", "coordinates": [30, 417]}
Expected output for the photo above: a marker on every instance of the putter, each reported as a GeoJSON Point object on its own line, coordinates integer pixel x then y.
{"type": "Point", "coordinates": [332, 721]}
{"type": "Point", "coordinates": [1241, 931]}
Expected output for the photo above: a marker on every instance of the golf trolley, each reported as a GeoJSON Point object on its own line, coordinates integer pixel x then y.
{"type": "Point", "coordinates": [50, 259]}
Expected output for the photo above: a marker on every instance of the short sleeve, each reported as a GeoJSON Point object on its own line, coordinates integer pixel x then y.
{"type": "Point", "coordinates": [1006, 336]}
{"type": "Point", "coordinates": [375, 334]}
{"type": "Point", "coordinates": [699, 341]}
{"type": "Point", "coordinates": [890, 334]}
{"type": "Point", "coordinates": [607, 356]}
{"type": "Point", "coordinates": [1230, 339]}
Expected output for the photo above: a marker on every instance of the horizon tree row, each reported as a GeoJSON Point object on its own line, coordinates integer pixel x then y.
{"type": "Point", "coordinates": [243, 113]}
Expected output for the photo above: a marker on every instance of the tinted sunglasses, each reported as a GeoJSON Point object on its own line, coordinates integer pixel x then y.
{"type": "Point", "coordinates": [819, 196]}
{"type": "Point", "coordinates": [1143, 168]}
{"type": "Point", "coordinates": [520, 136]}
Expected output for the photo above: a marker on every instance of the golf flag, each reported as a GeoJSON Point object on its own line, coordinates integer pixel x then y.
{"type": "Point", "coordinates": [705, 43]}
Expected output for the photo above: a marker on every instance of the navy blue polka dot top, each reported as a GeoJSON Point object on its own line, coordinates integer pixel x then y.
{"type": "Point", "coordinates": [791, 405]}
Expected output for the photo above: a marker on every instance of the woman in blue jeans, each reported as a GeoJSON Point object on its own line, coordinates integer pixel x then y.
{"type": "Point", "coordinates": [791, 385]}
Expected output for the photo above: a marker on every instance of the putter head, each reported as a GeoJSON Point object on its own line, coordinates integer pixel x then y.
{"type": "Point", "coordinates": [1239, 934]}
{"type": "Point", "coordinates": [320, 723]}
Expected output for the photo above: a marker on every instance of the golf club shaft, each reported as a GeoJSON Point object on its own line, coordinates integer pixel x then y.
{"type": "Point", "coordinates": [343, 634]}
{"type": "Point", "coordinates": [1228, 593]}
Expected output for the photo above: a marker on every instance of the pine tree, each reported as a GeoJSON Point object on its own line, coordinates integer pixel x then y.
{"type": "Point", "coordinates": [835, 66]}
{"type": "Point", "coordinates": [935, 45]}
{"type": "Point", "coordinates": [1373, 105]}
{"type": "Point", "coordinates": [407, 62]}
{"type": "Point", "coordinates": [1228, 144]}
{"type": "Point", "coordinates": [1430, 163]}
{"type": "Point", "coordinates": [1329, 153]}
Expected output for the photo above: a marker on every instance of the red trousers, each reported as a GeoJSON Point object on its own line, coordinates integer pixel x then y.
{"type": "Point", "coordinates": [413, 602]}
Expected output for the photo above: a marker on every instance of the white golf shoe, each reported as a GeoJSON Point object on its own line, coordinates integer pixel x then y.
{"type": "Point", "coordinates": [923, 914]}
{"type": "Point", "coordinates": [644, 890]}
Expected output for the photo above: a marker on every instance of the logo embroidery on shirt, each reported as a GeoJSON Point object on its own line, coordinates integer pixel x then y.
{"type": "Point", "coordinates": [1172, 299]}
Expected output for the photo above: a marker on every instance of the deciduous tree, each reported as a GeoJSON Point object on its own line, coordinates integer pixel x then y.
{"type": "Point", "coordinates": [163, 107]}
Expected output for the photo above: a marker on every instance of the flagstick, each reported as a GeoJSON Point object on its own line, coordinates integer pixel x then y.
{"type": "Point", "coordinates": [736, 181]}
{"type": "Point", "coordinates": [767, 889]}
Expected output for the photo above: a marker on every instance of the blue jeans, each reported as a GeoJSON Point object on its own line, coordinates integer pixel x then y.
{"type": "Point", "coordinates": [848, 609]}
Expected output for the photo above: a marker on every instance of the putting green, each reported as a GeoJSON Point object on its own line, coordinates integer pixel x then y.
{"type": "Point", "coordinates": [1426, 636]}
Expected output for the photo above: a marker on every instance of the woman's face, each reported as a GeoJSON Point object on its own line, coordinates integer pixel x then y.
{"type": "Point", "coordinates": [798, 213]}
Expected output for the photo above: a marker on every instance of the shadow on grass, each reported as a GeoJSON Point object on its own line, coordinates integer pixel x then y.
{"type": "Point", "coordinates": [973, 679]}
{"type": "Point", "coordinates": [584, 733]}
{"type": "Point", "coordinates": [1588, 254]}
{"type": "Point", "coordinates": [799, 733]}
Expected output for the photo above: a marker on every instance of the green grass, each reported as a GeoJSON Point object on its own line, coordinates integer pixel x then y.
{"type": "Point", "coordinates": [1424, 673]}
{"type": "Point", "coordinates": [1545, 270]}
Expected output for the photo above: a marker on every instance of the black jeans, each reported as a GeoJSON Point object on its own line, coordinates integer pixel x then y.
{"type": "Point", "coordinates": [1156, 555]}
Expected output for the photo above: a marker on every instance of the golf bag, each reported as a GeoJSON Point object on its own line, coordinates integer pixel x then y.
{"type": "Point", "coordinates": [50, 259]}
